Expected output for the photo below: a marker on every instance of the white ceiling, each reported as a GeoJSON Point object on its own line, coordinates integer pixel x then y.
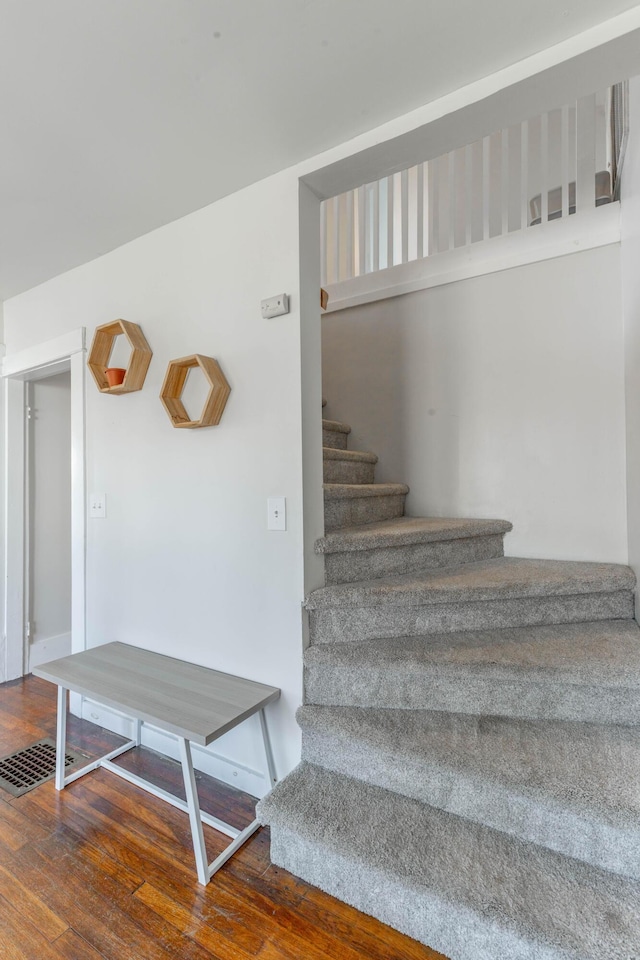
{"type": "Point", "coordinates": [118, 116]}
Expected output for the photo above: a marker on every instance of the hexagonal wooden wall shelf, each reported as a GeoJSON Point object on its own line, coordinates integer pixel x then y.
{"type": "Point", "coordinates": [100, 352]}
{"type": "Point", "coordinates": [174, 382]}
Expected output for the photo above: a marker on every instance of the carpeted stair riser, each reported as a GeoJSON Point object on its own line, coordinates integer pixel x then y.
{"type": "Point", "coordinates": [468, 891]}
{"type": "Point", "coordinates": [523, 697]}
{"type": "Point", "coordinates": [331, 438]}
{"type": "Point", "coordinates": [504, 592]}
{"type": "Point", "coordinates": [341, 624]}
{"type": "Point", "coordinates": [410, 558]}
{"type": "Point", "coordinates": [407, 544]}
{"type": "Point", "coordinates": [541, 782]}
{"type": "Point", "coordinates": [348, 471]}
{"type": "Point", "coordinates": [579, 672]}
{"type": "Point", "coordinates": [340, 513]}
{"type": "Point", "coordinates": [335, 434]}
{"type": "Point", "coordinates": [505, 578]}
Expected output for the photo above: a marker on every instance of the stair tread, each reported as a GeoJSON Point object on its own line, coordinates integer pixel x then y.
{"type": "Point", "coordinates": [509, 887]}
{"type": "Point", "coordinates": [350, 456]}
{"type": "Point", "coordinates": [404, 531]}
{"type": "Point", "coordinates": [551, 762]}
{"type": "Point", "coordinates": [346, 491]}
{"type": "Point", "coordinates": [336, 426]}
{"type": "Point", "coordinates": [504, 578]}
{"type": "Point", "coordinates": [604, 653]}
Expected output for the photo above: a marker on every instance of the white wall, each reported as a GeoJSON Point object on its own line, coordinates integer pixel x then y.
{"type": "Point", "coordinates": [184, 564]}
{"type": "Point", "coordinates": [50, 517]}
{"type": "Point", "coordinates": [500, 396]}
{"type": "Point", "coordinates": [631, 308]}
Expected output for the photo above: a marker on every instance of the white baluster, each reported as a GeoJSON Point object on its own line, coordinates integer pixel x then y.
{"type": "Point", "coordinates": [451, 198]}
{"type": "Point", "coordinates": [564, 159]}
{"type": "Point", "coordinates": [486, 186]}
{"type": "Point", "coordinates": [367, 229]}
{"type": "Point", "coordinates": [420, 211]}
{"type": "Point", "coordinates": [524, 174]}
{"type": "Point", "coordinates": [350, 240]}
{"type": "Point", "coordinates": [362, 200]}
{"type": "Point", "coordinates": [586, 153]}
{"type": "Point", "coordinates": [376, 225]}
{"type": "Point", "coordinates": [432, 184]}
{"type": "Point", "coordinates": [504, 180]}
{"type": "Point", "coordinates": [335, 240]}
{"type": "Point", "coordinates": [468, 192]}
{"type": "Point", "coordinates": [544, 167]}
{"type": "Point", "coordinates": [412, 212]}
{"type": "Point", "coordinates": [404, 206]}
{"type": "Point", "coordinates": [390, 215]}
{"type": "Point", "coordinates": [323, 243]}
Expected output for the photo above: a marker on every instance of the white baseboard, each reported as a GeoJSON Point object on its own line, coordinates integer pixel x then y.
{"type": "Point", "coordinates": [205, 759]}
{"type": "Point", "coordinates": [51, 648]}
{"type": "Point", "coordinates": [3, 658]}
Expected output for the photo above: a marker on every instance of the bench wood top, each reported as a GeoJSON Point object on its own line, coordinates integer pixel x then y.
{"type": "Point", "coordinates": [194, 702]}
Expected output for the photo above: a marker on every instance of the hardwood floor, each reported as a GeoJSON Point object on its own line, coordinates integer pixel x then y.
{"type": "Point", "coordinates": [104, 870]}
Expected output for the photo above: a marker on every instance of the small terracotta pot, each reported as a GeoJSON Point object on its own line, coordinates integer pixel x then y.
{"type": "Point", "coordinates": [115, 375]}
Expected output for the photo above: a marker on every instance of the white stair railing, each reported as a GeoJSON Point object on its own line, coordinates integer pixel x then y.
{"type": "Point", "coordinates": [545, 168]}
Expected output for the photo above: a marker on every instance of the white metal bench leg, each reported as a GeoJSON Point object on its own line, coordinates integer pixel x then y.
{"type": "Point", "coordinates": [271, 767]}
{"type": "Point", "coordinates": [205, 870]}
{"type": "Point", "coordinates": [193, 805]}
{"type": "Point", "coordinates": [61, 737]}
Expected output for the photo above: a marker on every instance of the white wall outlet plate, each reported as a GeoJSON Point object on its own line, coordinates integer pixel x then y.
{"type": "Point", "coordinates": [275, 306]}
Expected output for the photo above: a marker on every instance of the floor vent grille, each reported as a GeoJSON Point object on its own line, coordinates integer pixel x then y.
{"type": "Point", "coordinates": [28, 768]}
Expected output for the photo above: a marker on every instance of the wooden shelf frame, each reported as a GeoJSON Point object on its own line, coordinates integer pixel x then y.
{"type": "Point", "coordinates": [174, 383]}
{"type": "Point", "coordinates": [102, 346]}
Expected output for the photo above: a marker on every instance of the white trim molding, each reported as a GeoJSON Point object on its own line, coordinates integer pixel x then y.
{"type": "Point", "coordinates": [45, 359]}
{"type": "Point", "coordinates": [14, 660]}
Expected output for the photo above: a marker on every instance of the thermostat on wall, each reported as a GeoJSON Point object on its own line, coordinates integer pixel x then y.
{"type": "Point", "coordinates": [275, 306]}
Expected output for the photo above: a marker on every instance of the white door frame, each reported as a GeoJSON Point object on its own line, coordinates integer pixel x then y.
{"type": "Point", "coordinates": [65, 353]}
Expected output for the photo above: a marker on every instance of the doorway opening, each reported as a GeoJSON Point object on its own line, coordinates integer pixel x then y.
{"type": "Point", "coordinates": [44, 504]}
{"type": "Point", "coordinates": [48, 519]}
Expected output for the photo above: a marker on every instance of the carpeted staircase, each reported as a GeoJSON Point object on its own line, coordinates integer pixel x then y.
{"type": "Point", "coordinates": [471, 747]}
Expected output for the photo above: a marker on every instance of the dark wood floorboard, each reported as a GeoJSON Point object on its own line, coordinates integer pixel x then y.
{"type": "Point", "coordinates": [104, 871]}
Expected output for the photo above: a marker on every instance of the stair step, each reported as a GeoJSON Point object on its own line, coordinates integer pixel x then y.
{"type": "Point", "coordinates": [541, 781]}
{"type": "Point", "coordinates": [406, 545]}
{"type": "Point", "coordinates": [582, 671]}
{"type": "Point", "coordinates": [464, 889]}
{"type": "Point", "coordinates": [334, 434]}
{"type": "Point", "coordinates": [346, 504]}
{"type": "Point", "coordinates": [506, 592]}
{"type": "Point", "coordinates": [348, 466]}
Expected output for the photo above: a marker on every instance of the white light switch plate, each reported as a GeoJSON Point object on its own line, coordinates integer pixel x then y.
{"type": "Point", "coordinates": [97, 506]}
{"type": "Point", "coordinates": [276, 513]}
